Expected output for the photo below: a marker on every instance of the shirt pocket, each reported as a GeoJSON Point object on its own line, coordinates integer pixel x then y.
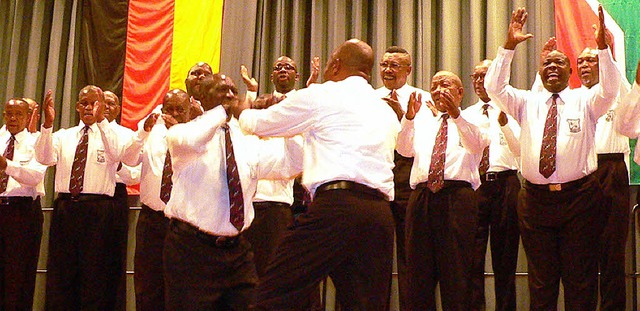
{"type": "Point", "coordinates": [572, 125]}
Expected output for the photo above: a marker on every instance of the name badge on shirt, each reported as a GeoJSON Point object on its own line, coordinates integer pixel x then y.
{"type": "Point", "coordinates": [574, 125]}
{"type": "Point", "coordinates": [100, 157]}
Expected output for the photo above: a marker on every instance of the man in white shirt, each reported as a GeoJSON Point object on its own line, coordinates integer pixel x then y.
{"type": "Point", "coordinates": [21, 185]}
{"type": "Point", "coordinates": [349, 135]}
{"type": "Point", "coordinates": [207, 260]}
{"type": "Point", "coordinates": [560, 215]}
{"type": "Point", "coordinates": [628, 122]}
{"type": "Point", "coordinates": [80, 265]}
{"type": "Point", "coordinates": [150, 150]}
{"type": "Point", "coordinates": [497, 197]}
{"type": "Point", "coordinates": [395, 67]}
{"type": "Point", "coordinates": [442, 213]}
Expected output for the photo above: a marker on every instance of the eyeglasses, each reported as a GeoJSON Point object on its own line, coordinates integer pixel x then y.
{"type": "Point", "coordinates": [287, 67]}
{"type": "Point", "coordinates": [392, 66]}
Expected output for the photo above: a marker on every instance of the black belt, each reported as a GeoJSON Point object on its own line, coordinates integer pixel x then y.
{"type": "Point", "coordinates": [493, 176]}
{"type": "Point", "coordinates": [268, 204]}
{"type": "Point", "coordinates": [83, 197]}
{"type": "Point", "coordinates": [15, 200]}
{"type": "Point", "coordinates": [224, 242]}
{"type": "Point", "coordinates": [572, 185]}
{"type": "Point", "coordinates": [349, 185]}
{"type": "Point", "coordinates": [610, 156]}
{"type": "Point", "coordinates": [151, 210]}
{"type": "Point", "coordinates": [447, 184]}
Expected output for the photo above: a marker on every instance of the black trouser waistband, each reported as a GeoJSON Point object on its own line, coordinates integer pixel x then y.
{"type": "Point", "coordinates": [267, 204]}
{"type": "Point", "coordinates": [350, 185]}
{"type": "Point", "coordinates": [571, 185]}
{"type": "Point", "coordinates": [224, 242]}
{"type": "Point", "coordinates": [493, 176]}
{"type": "Point", "coordinates": [447, 184]}
{"type": "Point", "coordinates": [151, 210]}
{"type": "Point", "coordinates": [610, 156]}
{"type": "Point", "coordinates": [15, 200]}
{"type": "Point", "coordinates": [84, 197]}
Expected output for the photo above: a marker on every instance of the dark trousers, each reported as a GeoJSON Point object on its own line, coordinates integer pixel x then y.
{"type": "Point", "coordinates": [346, 235]}
{"type": "Point", "coordinates": [20, 233]}
{"type": "Point", "coordinates": [441, 230]}
{"type": "Point", "coordinates": [560, 233]}
{"type": "Point", "coordinates": [498, 218]}
{"type": "Point", "coordinates": [148, 279]}
{"type": "Point", "coordinates": [267, 229]}
{"type": "Point", "coordinates": [80, 264]}
{"type": "Point", "coordinates": [613, 176]}
{"type": "Point", "coordinates": [401, 174]}
{"type": "Point", "coordinates": [202, 276]}
{"type": "Point", "coordinates": [120, 231]}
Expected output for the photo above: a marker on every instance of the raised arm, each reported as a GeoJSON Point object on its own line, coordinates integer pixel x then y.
{"type": "Point", "coordinates": [44, 149]}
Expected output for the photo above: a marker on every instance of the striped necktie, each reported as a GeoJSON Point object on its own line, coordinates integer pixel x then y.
{"type": "Point", "coordinates": [79, 163]}
{"type": "Point", "coordinates": [8, 154]}
{"type": "Point", "coordinates": [435, 180]}
{"type": "Point", "coordinates": [548, 148]}
{"type": "Point", "coordinates": [236, 201]}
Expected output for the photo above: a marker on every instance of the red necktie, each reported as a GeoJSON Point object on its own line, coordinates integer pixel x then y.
{"type": "Point", "coordinates": [484, 163]}
{"type": "Point", "coordinates": [166, 184]}
{"type": "Point", "coordinates": [236, 201]}
{"type": "Point", "coordinates": [8, 154]}
{"type": "Point", "coordinates": [435, 181]}
{"type": "Point", "coordinates": [79, 163]}
{"type": "Point", "coordinates": [548, 148]}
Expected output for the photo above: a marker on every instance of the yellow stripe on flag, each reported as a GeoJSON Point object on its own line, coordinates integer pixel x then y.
{"type": "Point", "coordinates": [197, 35]}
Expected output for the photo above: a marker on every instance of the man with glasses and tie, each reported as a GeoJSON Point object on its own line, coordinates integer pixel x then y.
{"type": "Point", "coordinates": [559, 215]}
{"type": "Point", "coordinates": [81, 249]}
{"type": "Point", "coordinates": [21, 217]}
{"type": "Point", "coordinates": [442, 212]}
{"type": "Point", "coordinates": [395, 67]}
{"type": "Point", "coordinates": [208, 263]}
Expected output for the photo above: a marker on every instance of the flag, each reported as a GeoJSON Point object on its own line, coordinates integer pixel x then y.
{"type": "Point", "coordinates": [574, 32]}
{"type": "Point", "coordinates": [164, 39]}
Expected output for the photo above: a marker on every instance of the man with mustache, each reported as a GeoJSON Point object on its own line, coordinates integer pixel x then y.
{"type": "Point", "coordinates": [560, 215]}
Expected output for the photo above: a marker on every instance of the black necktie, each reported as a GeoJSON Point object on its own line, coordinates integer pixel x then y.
{"type": "Point", "coordinates": [484, 163]}
{"type": "Point", "coordinates": [166, 184]}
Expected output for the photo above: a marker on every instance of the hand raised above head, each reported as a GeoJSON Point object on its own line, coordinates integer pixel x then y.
{"type": "Point", "coordinates": [601, 30]}
{"type": "Point", "coordinates": [49, 110]}
{"type": "Point", "coordinates": [548, 47]}
{"type": "Point", "coordinates": [515, 34]}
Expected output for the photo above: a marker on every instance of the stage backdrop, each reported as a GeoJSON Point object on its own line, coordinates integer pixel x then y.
{"type": "Point", "coordinates": [574, 20]}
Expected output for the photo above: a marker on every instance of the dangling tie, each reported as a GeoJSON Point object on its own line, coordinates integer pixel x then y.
{"type": "Point", "coordinates": [79, 163]}
{"type": "Point", "coordinates": [236, 201]}
{"type": "Point", "coordinates": [548, 149]}
{"type": "Point", "coordinates": [435, 181]}
{"type": "Point", "coordinates": [8, 154]}
{"type": "Point", "coordinates": [166, 183]}
{"type": "Point", "coordinates": [484, 163]}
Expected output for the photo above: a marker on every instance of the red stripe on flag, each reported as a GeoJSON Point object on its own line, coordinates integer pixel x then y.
{"type": "Point", "coordinates": [148, 58]}
{"type": "Point", "coordinates": [574, 31]}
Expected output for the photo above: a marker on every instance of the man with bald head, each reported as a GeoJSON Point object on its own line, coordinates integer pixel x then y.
{"type": "Point", "coordinates": [560, 214]}
{"type": "Point", "coordinates": [215, 172]}
{"type": "Point", "coordinates": [442, 210]}
{"type": "Point", "coordinates": [347, 232]}
{"type": "Point", "coordinates": [149, 149]}
{"type": "Point", "coordinates": [80, 265]}
{"type": "Point", "coordinates": [21, 186]}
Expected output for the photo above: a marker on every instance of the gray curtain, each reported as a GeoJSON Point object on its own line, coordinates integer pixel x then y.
{"type": "Point", "coordinates": [439, 35]}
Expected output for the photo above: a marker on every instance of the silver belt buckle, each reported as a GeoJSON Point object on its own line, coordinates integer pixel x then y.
{"type": "Point", "coordinates": [555, 187]}
{"type": "Point", "coordinates": [491, 176]}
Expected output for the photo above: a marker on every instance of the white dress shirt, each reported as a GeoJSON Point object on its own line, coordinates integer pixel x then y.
{"type": "Point", "coordinates": [578, 112]}
{"type": "Point", "coordinates": [128, 175]}
{"type": "Point", "coordinates": [403, 94]}
{"type": "Point", "coordinates": [200, 194]}
{"type": "Point", "coordinates": [503, 139]}
{"type": "Point", "coordinates": [59, 149]}
{"type": "Point", "coordinates": [465, 143]}
{"type": "Point", "coordinates": [151, 150]}
{"type": "Point", "coordinates": [349, 132]}
{"type": "Point", "coordinates": [26, 175]}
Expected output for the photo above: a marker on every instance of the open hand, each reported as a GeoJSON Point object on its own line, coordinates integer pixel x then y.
{"type": "Point", "coordinates": [515, 34]}
{"type": "Point", "coordinates": [315, 70]}
{"type": "Point", "coordinates": [49, 110]}
{"type": "Point", "coordinates": [251, 83]}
